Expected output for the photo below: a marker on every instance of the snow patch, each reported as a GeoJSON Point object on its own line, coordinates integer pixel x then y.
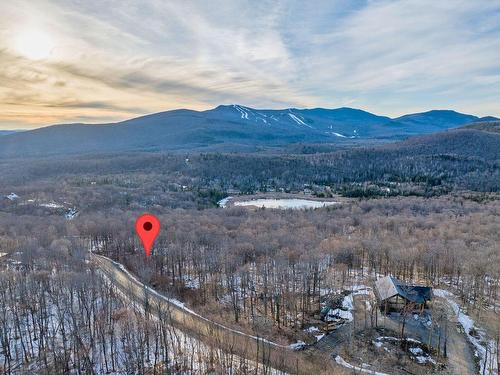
{"type": "Point", "coordinates": [319, 337]}
{"type": "Point", "coordinates": [348, 303]}
{"type": "Point", "coordinates": [344, 313]}
{"type": "Point", "coordinates": [341, 135]}
{"type": "Point", "coordinates": [71, 214]}
{"type": "Point", "coordinates": [338, 135]}
{"type": "Point", "coordinates": [243, 113]}
{"type": "Point", "coordinates": [485, 348]}
{"type": "Point", "coordinates": [12, 196]}
{"type": "Point", "coordinates": [420, 356]}
{"type": "Point", "coordinates": [389, 338]}
{"type": "Point", "coordinates": [51, 205]}
{"type": "Point", "coordinates": [338, 314]}
{"type": "Point", "coordinates": [363, 367]}
{"type": "Point", "coordinates": [299, 345]}
{"type": "Point", "coordinates": [298, 120]}
{"type": "Point", "coordinates": [223, 202]}
{"type": "Point", "coordinates": [312, 329]}
{"type": "Point", "coordinates": [416, 351]}
{"type": "Point", "coordinates": [191, 283]}
{"type": "Point", "coordinates": [378, 344]}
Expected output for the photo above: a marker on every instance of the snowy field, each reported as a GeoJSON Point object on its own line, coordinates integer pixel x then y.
{"type": "Point", "coordinates": [283, 204]}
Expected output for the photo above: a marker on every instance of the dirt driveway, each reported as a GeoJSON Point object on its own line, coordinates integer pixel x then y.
{"type": "Point", "coordinates": [460, 356]}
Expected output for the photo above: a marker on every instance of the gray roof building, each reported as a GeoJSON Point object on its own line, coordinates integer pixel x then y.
{"type": "Point", "coordinates": [388, 287]}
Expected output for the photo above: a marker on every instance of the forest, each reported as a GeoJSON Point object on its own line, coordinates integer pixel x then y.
{"type": "Point", "coordinates": [418, 212]}
{"type": "Point", "coordinates": [61, 317]}
{"type": "Point", "coordinates": [260, 271]}
{"type": "Point", "coordinates": [465, 160]}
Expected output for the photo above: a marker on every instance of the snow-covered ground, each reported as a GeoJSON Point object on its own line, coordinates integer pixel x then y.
{"type": "Point", "coordinates": [244, 114]}
{"type": "Point", "coordinates": [312, 329]}
{"type": "Point", "coordinates": [182, 306]}
{"type": "Point", "coordinates": [341, 135]}
{"type": "Point", "coordinates": [416, 352]}
{"type": "Point", "coordinates": [51, 205]}
{"type": "Point", "coordinates": [485, 348]}
{"type": "Point", "coordinates": [338, 315]}
{"type": "Point", "coordinates": [191, 282]}
{"type": "Point", "coordinates": [71, 214]}
{"type": "Point", "coordinates": [489, 288]}
{"type": "Point", "coordinates": [292, 203]}
{"type": "Point", "coordinates": [186, 355]}
{"type": "Point", "coordinates": [71, 211]}
{"type": "Point", "coordinates": [12, 196]}
{"type": "Point", "coordinates": [299, 345]}
{"type": "Point", "coordinates": [420, 356]}
{"type": "Point", "coordinates": [186, 344]}
{"type": "Point", "coordinates": [316, 332]}
{"type": "Point", "coordinates": [248, 114]}
{"type": "Point", "coordinates": [320, 336]}
{"type": "Point", "coordinates": [344, 314]}
{"type": "Point", "coordinates": [285, 203]}
{"type": "Point", "coordinates": [364, 367]}
{"type": "Point", "coordinates": [298, 120]}
{"type": "Point", "coordinates": [390, 338]}
{"type": "Point", "coordinates": [223, 202]}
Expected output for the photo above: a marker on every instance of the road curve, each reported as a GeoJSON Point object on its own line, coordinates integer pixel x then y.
{"type": "Point", "coordinates": [230, 340]}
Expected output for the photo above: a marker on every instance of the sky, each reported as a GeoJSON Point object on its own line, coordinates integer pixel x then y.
{"type": "Point", "coordinates": [97, 61]}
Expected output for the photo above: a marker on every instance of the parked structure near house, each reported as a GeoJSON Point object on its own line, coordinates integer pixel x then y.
{"type": "Point", "coordinates": [393, 295]}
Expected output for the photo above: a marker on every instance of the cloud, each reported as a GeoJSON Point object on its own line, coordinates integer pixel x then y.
{"type": "Point", "coordinates": [408, 48]}
{"type": "Point", "coordinates": [138, 56]}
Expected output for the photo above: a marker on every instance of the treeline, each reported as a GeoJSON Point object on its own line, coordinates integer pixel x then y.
{"type": "Point", "coordinates": [425, 166]}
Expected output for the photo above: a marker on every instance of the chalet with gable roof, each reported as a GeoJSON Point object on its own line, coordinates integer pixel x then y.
{"type": "Point", "coordinates": [394, 295]}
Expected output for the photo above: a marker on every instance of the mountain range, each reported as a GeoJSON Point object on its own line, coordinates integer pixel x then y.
{"type": "Point", "coordinates": [228, 128]}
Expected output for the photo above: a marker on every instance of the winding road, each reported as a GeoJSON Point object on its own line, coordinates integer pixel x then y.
{"type": "Point", "coordinates": [254, 348]}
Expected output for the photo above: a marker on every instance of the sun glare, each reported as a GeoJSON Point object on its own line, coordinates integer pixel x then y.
{"type": "Point", "coordinates": [35, 45]}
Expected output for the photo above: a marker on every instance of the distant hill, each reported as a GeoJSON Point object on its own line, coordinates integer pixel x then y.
{"type": "Point", "coordinates": [487, 119]}
{"type": "Point", "coordinates": [488, 124]}
{"type": "Point", "coordinates": [464, 159]}
{"type": "Point", "coordinates": [431, 121]}
{"type": "Point", "coordinates": [463, 143]}
{"type": "Point", "coordinates": [227, 128]}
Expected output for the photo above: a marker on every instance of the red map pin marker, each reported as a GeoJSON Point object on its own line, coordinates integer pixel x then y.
{"type": "Point", "coordinates": [147, 227]}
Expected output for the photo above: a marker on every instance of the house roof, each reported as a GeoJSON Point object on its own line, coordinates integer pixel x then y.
{"type": "Point", "coordinates": [389, 286]}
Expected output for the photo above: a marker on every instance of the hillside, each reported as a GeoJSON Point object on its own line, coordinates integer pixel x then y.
{"type": "Point", "coordinates": [430, 164]}
{"type": "Point", "coordinates": [232, 128]}
{"type": "Point", "coordinates": [491, 125]}
{"type": "Point", "coordinates": [431, 121]}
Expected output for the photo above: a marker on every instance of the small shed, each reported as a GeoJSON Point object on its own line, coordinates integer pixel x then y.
{"type": "Point", "coordinates": [393, 295]}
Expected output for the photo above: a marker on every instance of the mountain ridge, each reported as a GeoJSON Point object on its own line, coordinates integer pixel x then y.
{"type": "Point", "coordinates": [228, 127]}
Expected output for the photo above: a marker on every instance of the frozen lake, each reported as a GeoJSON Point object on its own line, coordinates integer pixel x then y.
{"type": "Point", "coordinates": [283, 204]}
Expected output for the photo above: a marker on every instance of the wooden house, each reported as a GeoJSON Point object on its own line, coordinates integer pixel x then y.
{"type": "Point", "coordinates": [393, 295]}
